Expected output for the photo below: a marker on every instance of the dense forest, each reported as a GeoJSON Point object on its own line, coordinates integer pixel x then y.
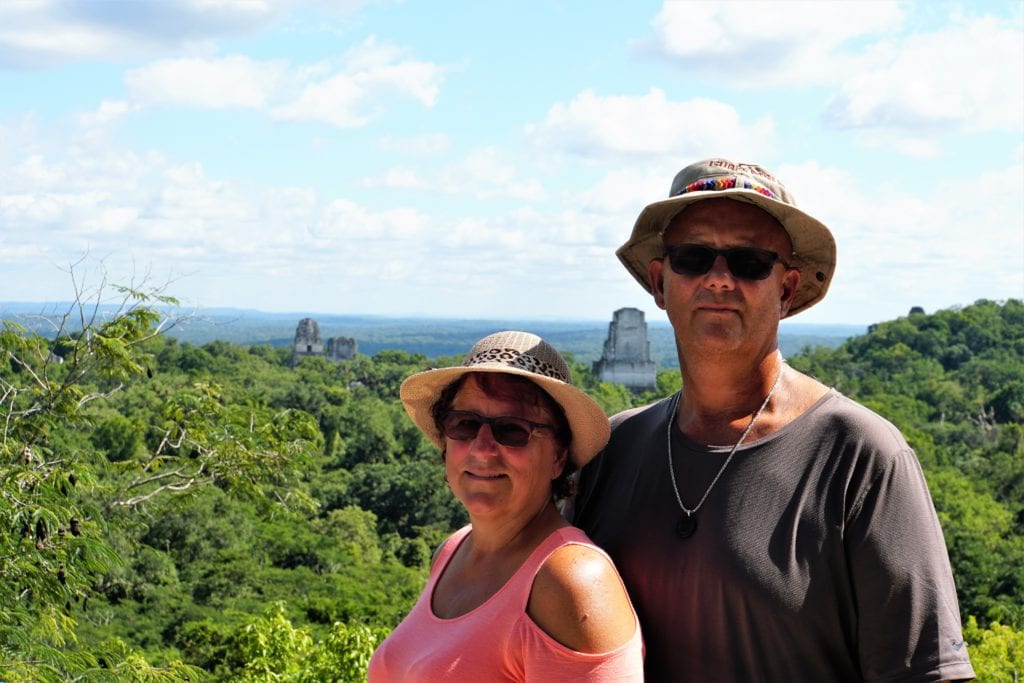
{"type": "Point", "coordinates": [179, 512]}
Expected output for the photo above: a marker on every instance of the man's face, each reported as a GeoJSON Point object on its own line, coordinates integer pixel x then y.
{"type": "Point", "coordinates": [718, 310]}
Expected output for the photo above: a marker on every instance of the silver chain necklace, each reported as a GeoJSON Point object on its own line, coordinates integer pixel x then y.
{"type": "Point", "coordinates": [688, 522]}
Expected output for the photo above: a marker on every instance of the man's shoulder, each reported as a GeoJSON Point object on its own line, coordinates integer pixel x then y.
{"type": "Point", "coordinates": [854, 427]}
{"type": "Point", "coordinates": [847, 416]}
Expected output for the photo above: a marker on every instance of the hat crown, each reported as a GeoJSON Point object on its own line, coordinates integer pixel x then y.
{"type": "Point", "coordinates": [519, 350]}
{"type": "Point", "coordinates": [719, 174]}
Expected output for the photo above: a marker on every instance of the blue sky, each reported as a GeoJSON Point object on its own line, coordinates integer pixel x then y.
{"type": "Point", "coordinates": [485, 159]}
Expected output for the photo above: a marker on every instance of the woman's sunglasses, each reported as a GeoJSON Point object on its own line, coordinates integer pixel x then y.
{"type": "Point", "coordinates": [746, 263]}
{"type": "Point", "coordinates": [463, 425]}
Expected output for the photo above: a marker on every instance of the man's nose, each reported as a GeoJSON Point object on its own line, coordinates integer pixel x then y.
{"type": "Point", "coordinates": [719, 273]}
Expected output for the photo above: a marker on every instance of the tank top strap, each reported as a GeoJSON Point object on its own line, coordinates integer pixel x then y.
{"type": "Point", "coordinates": [444, 554]}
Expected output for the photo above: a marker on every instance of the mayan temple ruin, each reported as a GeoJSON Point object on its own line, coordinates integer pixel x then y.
{"type": "Point", "coordinates": [308, 342]}
{"type": "Point", "coordinates": [626, 358]}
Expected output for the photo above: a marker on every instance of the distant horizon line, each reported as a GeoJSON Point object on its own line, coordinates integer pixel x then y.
{"type": "Point", "coordinates": [317, 315]}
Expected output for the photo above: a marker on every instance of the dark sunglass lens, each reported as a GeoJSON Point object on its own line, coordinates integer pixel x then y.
{"type": "Point", "coordinates": [691, 259]}
{"type": "Point", "coordinates": [510, 433]}
{"type": "Point", "coordinates": [750, 264]}
{"type": "Point", "coordinates": [461, 426]}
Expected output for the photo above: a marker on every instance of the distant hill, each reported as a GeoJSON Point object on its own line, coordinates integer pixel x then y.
{"type": "Point", "coordinates": [430, 336]}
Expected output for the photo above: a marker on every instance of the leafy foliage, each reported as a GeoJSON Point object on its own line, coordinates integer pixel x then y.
{"type": "Point", "coordinates": [996, 652]}
{"type": "Point", "coordinates": [180, 512]}
{"type": "Point", "coordinates": [64, 461]}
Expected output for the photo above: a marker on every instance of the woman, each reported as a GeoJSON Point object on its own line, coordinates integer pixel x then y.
{"type": "Point", "coordinates": [518, 594]}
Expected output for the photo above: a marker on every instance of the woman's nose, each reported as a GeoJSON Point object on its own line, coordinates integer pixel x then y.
{"type": "Point", "coordinates": [484, 439]}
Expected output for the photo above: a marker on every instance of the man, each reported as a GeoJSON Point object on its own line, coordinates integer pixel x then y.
{"type": "Point", "coordinates": [767, 527]}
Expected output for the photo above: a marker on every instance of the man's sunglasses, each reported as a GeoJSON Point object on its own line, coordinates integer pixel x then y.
{"type": "Point", "coordinates": [463, 425]}
{"type": "Point", "coordinates": [746, 263]}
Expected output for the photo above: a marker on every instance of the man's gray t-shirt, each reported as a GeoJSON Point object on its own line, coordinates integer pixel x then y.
{"type": "Point", "coordinates": [817, 556]}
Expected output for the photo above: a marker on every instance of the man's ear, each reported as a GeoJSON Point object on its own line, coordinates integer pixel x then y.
{"type": "Point", "coordinates": [656, 276]}
{"type": "Point", "coordinates": [790, 283]}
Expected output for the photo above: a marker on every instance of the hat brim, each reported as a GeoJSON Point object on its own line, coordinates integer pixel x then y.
{"type": "Point", "coordinates": [813, 244]}
{"type": "Point", "coordinates": [587, 421]}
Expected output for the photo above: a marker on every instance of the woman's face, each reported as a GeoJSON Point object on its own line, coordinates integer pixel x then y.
{"type": "Point", "coordinates": [496, 481]}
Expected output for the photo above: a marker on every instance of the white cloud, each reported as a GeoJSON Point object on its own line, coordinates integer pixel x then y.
{"type": "Point", "coordinates": [372, 71]}
{"type": "Point", "coordinates": [352, 223]}
{"type": "Point", "coordinates": [888, 73]}
{"type": "Point", "coordinates": [428, 144]}
{"type": "Point", "coordinates": [46, 33]}
{"type": "Point", "coordinates": [188, 196]}
{"type": "Point", "coordinates": [346, 97]}
{"type": "Point", "coordinates": [485, 173]}
{"type": "Point", "coordinates": [399, 178]}
{"type": "Point", "coordinates": [626, 190]}
{"type": "Point", "coordinates": [113, 219]}
{"type": "Point", "coordinates": [35, 172]}
{"type": "Point", "coordinates": [969, 76]}
{"type": "Point", "coordinates": [234, 81]}
{"type": "Point", "coordinates": [766, 44]}
{"type": "Point", "coordinates": [488, 173]}
{"type": "Point", "coordinates": [903, 142]}
{"type": "Point", "coordinates": [110, 112]}
{"type": "Point", "coordinates": [646, 126]}
{"type": "Point", "coordinates": [336, 100]}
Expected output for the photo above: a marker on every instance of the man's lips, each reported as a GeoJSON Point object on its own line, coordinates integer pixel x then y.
{"type": "Point", "coordinates": [717, 308]}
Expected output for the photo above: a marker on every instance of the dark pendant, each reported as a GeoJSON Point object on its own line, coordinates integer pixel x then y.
{"type": "Point", "coordinates": [686, 526]}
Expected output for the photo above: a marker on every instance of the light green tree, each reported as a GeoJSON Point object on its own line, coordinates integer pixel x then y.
{"type": "Point", "coordinates": [997, 652]}
{"type": "Point", "coordinates": [270, 648]}
{"type": "Point", "coordinates": [58, 502]}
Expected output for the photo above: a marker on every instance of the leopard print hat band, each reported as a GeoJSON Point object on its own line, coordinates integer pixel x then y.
{"type": "Point", "coordinates": [514, 358]}
{"type": "Point", "coordinates": [516, 353]}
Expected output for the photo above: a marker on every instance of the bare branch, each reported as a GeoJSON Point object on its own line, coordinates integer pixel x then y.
{"type": "Point", "coordinates": [157, 477]}
{"type": "Point", "coordinates": [132, 502]}
{"type": "Point", "coordinates": [93, 397]}
{"type": "Point", "coordinates": [28, 368]}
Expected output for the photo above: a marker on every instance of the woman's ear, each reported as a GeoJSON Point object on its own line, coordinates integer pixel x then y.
{"type": "Point", "coordinates": [559, 465]}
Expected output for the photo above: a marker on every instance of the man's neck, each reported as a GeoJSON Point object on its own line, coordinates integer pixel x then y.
{"type": "Point", "coordinates": [720, 396]}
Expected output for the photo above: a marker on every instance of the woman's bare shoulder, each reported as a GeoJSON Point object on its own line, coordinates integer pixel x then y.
{"type": "Point", "coordinates": [579, 600]}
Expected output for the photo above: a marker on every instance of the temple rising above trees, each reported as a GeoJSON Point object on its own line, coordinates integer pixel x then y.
{"type": "Point", "coordinates": [308, 342]}
{"type": "Point", "coordinates": [626, 358]}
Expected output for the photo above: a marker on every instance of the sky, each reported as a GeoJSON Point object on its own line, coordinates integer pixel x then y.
{"type": "Point", "coordinates": [483, 160]}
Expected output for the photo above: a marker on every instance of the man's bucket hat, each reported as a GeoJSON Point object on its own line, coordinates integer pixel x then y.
{"type": "Point", "coordinates": [814, 248]}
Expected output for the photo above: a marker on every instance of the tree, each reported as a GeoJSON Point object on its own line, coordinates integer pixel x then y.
{"type": "Point", "coordinates": [250, 450]}
{"type": "Point", "coordinates": [366, 429]}
{"type": "Point", "coordinates": [997, 653]}
{"type": "Point", "coordinates": [270, 648]}
{"type": "Point", "coordinates": [57, 497]}
{"type": "Point", "coordinates": [51, 548]}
